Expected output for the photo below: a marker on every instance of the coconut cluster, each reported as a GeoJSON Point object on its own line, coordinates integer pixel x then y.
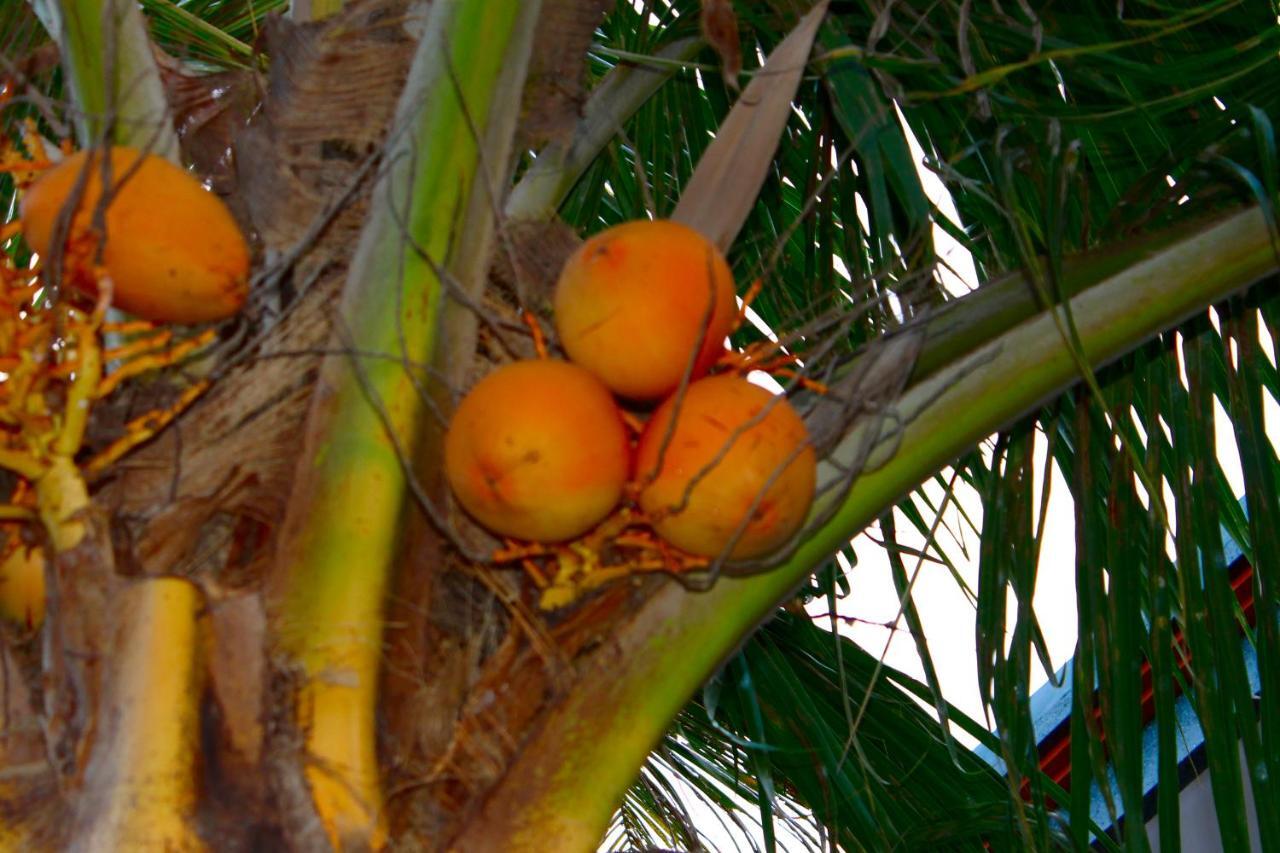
{"type": "Point", "coordinates": [539, 450]}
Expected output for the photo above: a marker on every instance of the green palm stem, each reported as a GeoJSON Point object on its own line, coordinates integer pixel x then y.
{"type": "Point", "coordinates": [106, 55]}
{"type": "Point", "coordinates": [562, 789]}
{"type": "Point", "coordinates": [962, 325]}
{"type": "Point", "coordinates": [342, 533]}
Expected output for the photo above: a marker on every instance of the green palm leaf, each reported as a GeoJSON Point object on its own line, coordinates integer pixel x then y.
{"type": "Point", "coordinates": [1038, 172]}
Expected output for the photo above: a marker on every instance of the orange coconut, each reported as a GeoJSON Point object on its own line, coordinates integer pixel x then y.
{"type": "Point", "coordinates": [537, 451]}
{"type": "Point", "coordinates": [771, 455]}
{"type": "Point", "coordinates": [634, 301]}
{"type": "Point", "coordinates": [21, 580]}
{"type": "Point", "coordinates": [172, 250]}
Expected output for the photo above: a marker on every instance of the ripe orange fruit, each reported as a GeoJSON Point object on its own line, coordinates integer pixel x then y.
{"type": "Point", "coordinates": [712, 411]}
{"type": "Point", "coordinates": [632, 304]}
{"type": "Point", "coordinates": [21, 580]}
{"type": "Point", "coordinates": [537, 451]}
{"type": "Point", "coordinates": [172, 250]}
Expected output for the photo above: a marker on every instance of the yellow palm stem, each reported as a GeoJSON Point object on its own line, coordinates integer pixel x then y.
{"type": "Point", "coordinates": [140, 791]}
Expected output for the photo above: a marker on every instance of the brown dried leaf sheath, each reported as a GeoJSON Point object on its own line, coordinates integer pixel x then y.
{"type": "Point", "coordinates": [724, 187]}
{"type": "Point", "coordinates": [330, 95]}
{"type": "Point", "coordinates": [554, 93]}
{"type": "Point", "coordinates": [208, 111]}
{"type": "Point", "coordinates": [529, 259]}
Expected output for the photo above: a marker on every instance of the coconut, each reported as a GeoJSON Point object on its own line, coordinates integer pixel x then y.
{"type": "Point", "coordinates": [172, 250]}
{"type": "Point", "coordinates": [636, 302]}
{"type": "Point", "coordinates": [538, 451]}
{"type": "Point", "coordinates": [736, 454]}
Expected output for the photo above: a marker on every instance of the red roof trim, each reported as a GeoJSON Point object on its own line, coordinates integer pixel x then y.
{"type": "Point", "coordinates": [1055, 749]}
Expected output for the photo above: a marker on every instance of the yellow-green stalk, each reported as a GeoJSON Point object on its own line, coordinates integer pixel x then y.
{"type": "Point", "coordinates": [343, 530]}
{"type": "Point", "coordinates": [106, 55]}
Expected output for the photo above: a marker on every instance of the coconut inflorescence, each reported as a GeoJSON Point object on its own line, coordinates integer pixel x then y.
{"type": "Point", "coordinates": [538, 450]}
{"type": "Point", "coordinates": [172, 250]}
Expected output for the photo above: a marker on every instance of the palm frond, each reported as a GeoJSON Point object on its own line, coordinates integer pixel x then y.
{"type": "Point", "coordinates": [1056, 131]}
{"type": "Point", "coordinates": [785, 710]}
{"type": "Point", "coordinates": [216, 33]}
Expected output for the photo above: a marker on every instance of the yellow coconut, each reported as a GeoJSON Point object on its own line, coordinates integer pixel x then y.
{"type": "Point", "coordinates": [172, 250]}
{"type": "Point", "coordinates": [635, 302]}
{"type": "Point", "coordinates": [538, 451]}
{"type": "Point", "coordinates": [766, 475]}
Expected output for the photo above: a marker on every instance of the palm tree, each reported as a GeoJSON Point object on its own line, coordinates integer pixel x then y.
{"type": "Point", "coordinates": [272, 629]}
